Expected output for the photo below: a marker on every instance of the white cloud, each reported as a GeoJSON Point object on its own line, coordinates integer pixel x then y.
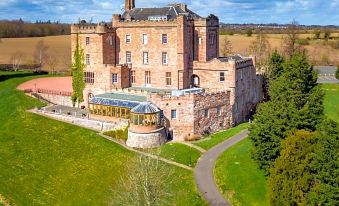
{"type": "Point", "coordinates": [7, 2]}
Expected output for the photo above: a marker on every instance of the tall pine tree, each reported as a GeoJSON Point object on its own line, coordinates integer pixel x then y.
{"type": "Point", "coordinates": [78, 66]}
{"type": "Point", "coordinates": [295, 103]}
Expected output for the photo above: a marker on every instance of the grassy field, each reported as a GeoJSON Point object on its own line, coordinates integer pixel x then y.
{"type": "Point", "coordinates": [238, 178]}
{"type": "Point", "coordinates": [46, 162]}
{"type": "Point", "coordinates": [331, 102]}
{"type": "Point", "coordinates": [178, 153]}
{"type": "Point", "coordinates": [216, 138]}
{"type": "Point", "coordinates": [58, 46]}
{"type": "Point", "coordinates": [317, 51]}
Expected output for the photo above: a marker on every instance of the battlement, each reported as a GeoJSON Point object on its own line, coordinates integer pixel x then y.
{"type": "Point", "coordinates": [82, 28]}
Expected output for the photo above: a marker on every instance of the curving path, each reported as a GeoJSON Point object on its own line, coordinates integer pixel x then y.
{"type": "Point", "coordinates": [203, 172]}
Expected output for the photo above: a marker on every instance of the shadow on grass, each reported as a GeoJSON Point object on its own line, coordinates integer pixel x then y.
{"type": "Point", "coordinates": [7, 76]}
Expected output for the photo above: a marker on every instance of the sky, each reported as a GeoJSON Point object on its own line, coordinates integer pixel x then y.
{"type": "Point", "coordinates": [308, 12]}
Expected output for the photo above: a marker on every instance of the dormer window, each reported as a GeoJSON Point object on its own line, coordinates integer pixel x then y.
{"type": "Point", "coordinates": [157, 18]}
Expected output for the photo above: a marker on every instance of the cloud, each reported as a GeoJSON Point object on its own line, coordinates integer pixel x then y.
{"type": "Point", "coordinates": [229, 11]}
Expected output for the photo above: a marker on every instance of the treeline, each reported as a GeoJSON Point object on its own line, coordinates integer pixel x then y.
{"type": "Point", "coordinates": [20, 28]}
{"type": "Point", "coordinates": [294, 143]}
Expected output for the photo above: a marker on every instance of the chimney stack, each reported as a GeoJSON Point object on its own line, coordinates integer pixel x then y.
{"type": "Point", "coordinates": [129, 5]}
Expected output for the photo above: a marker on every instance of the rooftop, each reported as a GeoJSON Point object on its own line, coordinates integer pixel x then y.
{"type": "Point", "coordinates": [145, 108]}
{"type": "Point", "coordinates": [118, 100]}
{"type": "Point", "coordinates": [169, 12]}
{"type": "Point", "coordinates": [237, 57]}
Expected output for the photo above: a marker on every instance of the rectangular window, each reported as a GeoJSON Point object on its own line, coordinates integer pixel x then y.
{"type": "Point", "coordinates": [128, 57]}
{"type": "Point", "coordinates": [88, 59]}
{"type": "Point", "coordinates": [114, 78]}
{"type": "Point", "coordinates": [219, 111]}
{"type": "Point", "coordinates": [206, 113]}
{"type": "Point", "coordinates": [222, 76]}
{"type": "Point", "coordinates": [144, 39]}
{"type": "Point", "coordinates": [173, 114]}
{"type": "Point", "coordinates": [164, 39]}
{"type": "Point", "coordinates": [87, 40]}
{"type": "Point", "coordinates": [89, 77]}
{"type": "Point", "coordinates": [168, 78]}
{"type": "Point", "coordinates": [128, 38]}
{"type": "Point", "coordinates": [148, 77]}
{"type": "Point", "coordinates": [164, 58]}
{"type": "Point", "coordinates": [132, 77]}
{"type": "Point", "coordinates": [200, 40]}
{"type": "Point", "coordinates": [145, 57]}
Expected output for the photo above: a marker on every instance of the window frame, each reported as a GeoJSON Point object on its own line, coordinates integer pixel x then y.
{"type": "Point", "coordinates": [143, 58]}
{"type": "Point", "coordinates": [148, 78]}
{"type": "Point", "coordinates": [116, 79]}
{"type": "Point", "coordinates": [144, 40]}
{"type": "Point", "coordinates": [168, 78]}
{"type": "Point", "coordinates": [133, 77]}
{"type": "Point", "coordinates": [87, 40]}
{"type": "Point", "coordinates": [221, 76]}
{"type": "Point", "coordinates": [89, 77]}
{"type": "Point", "coordinates": [164, 54]}
{"type": "Point", "coordinates": [174, 114]}
{"type": "Point", "coordinates": [128, 57]}
{"type": "Point", "coordinates": [88, 59]}
{"type": "Point", "coordinates": [164, 36]}
{"type": "Point", "coordinates": [128, 38]}
{"type": "Point", "coordinates": [206, 113]}
{"type": "Point", "coordinates": [219, 111]}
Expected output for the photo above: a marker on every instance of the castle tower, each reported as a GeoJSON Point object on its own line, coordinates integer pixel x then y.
{"type": "Point", "coordinates": [129, 5]}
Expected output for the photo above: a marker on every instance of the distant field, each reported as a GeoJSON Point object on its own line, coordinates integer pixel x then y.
{"type": "Point", "coordinates": [319, 54]}
{"type": "Point", "coordinates": [331, 101]}
{"type": "Point", "coordinates": [60, 46]}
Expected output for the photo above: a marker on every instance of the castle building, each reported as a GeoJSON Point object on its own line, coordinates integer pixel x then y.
{"type": "Point", "coordinates": [167, 57]}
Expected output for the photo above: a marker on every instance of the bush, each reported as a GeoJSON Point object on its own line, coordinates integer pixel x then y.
{"type": "Point", "coordinates": [303, 42]}
{"type": "Point", "coordinates": [118, 133]}
{"type": "Point", "coordinates": [337, 73]}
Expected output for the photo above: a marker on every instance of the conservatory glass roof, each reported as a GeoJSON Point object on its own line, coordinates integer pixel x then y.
{"type": "Point", "coordinates": [118, 100]}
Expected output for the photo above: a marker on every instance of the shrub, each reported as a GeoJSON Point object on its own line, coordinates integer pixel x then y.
{"type": "Point", "coordinates": [303, 42]}
{"type": "Point", "coordinates": [118, 133]}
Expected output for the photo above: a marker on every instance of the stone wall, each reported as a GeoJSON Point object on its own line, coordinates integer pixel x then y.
{"type": "Point", "coordinates": [146, 140]}
{"type": "Point", "coordinates": [56, 99]}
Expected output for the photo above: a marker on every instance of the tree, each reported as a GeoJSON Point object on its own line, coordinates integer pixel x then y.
{"type": "Point", "coordinates": [290, 45]}
{"type": "Point", "coordinates": [317, 34]}
{"type": "Point", "coordinates": [147, 183]}
{"type": "Point", "coordinates": [295, 103]}
{"type": "Point", "coordinates": [327, 34]}
{"type": "Point", "coordinates": [306, 171]}
{"type": "Point", "coordinates": [261, 49]}
{"type": "Point", "coordinates": [51, 63]}
{"type": "Point", "coordinates": [40, 53]}
{"type": "Point", "coordinates": [249, 32]}
{"type": "Point", "coordinates": [16, 59]}
{"type": "Point", "coordinates": [226, 48]}
{"type": "Point", "coordinates": [276, 65]}
{"type": "Point", "coordinates": [78, 66]}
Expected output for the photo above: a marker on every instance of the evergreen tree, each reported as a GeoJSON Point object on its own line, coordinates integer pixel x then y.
{"type": "Point", "coordinates": [78, 66]}
{"type": "Point", "coordinates": [295, 104]}
{"type": "Point", "coordinates": [306, 172]}
{"type": "Point", "coordinates": [276, 67]}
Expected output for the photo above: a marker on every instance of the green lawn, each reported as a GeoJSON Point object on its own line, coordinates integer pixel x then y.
{"type": "Point", "coordinates": [238, 177]}
{"type": "Point", "coordinates": [46, 162]}
{"type": "Point", "coordinates": [179, 153]}
{"type": "Point", "coordinates": [331, 101]}
{"type": "Point", "coordinates": [216, 138]}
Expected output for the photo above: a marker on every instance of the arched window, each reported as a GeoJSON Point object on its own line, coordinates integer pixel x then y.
{"type": "Point", "coordinates": [195, 80]}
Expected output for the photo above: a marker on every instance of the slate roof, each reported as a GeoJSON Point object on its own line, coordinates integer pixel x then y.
{"type": "Point", "coordinates": [235, 57]}
{"type": "Point", "coordinates": [170, 11]}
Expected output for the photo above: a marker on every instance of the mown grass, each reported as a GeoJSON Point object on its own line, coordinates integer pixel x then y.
{"type": "Point", "coordinates": [216, 138]}
{"type": "Point", "coordinates": [46, 162]}
{"type": "Point", "coordinates": [238, 177]}
{"type": "Point", "coordinates": [179, 153]}
{"type": "Point", "coordinates": [331, 101]}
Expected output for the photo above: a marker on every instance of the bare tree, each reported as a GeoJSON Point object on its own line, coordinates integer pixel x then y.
{"type": "Point", "coordinates": [147, 183]}
{"type": "Point", "coordinates": [40, 54]}
{"type": "Point", "coordinates": [226, 48]}
{"type": "Point", "coordinates": [16, 59]}
{"type": "Point", "coordinates": [51, 63]}
{"type": "Point", "coordinates": [261, 48]}
{"type": "Point", "coordinates": [290, 45]}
